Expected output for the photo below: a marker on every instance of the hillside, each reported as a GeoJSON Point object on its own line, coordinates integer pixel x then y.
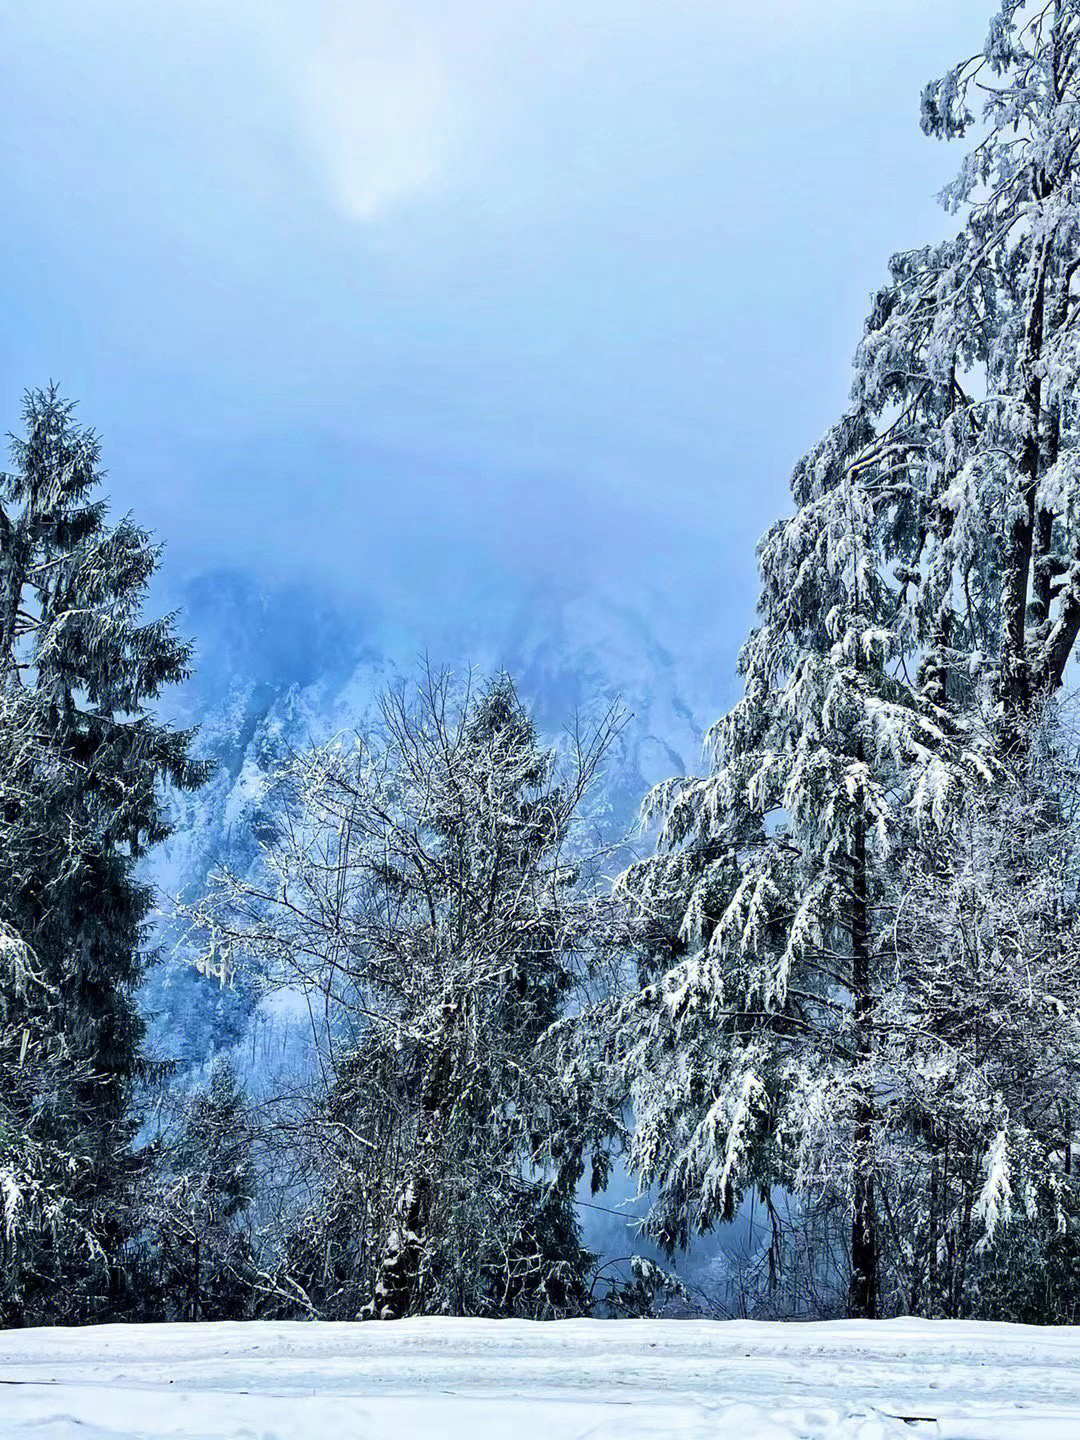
{"type": "Point", "coordinates": [274, 676]}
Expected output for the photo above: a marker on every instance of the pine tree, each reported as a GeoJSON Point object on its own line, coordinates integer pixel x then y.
{"type": "Point", "coordinates": [83, 801]}
{"type": "Point", "coordinates": [917, 605]}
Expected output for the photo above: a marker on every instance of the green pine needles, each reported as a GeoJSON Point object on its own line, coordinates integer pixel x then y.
{"type": "Point", "coordinates": [84, 765]}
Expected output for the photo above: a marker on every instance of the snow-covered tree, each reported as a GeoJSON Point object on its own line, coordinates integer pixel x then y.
{"type": "Point", "coordinates": [43, 1223]}
{"type": "Point", "coordinates": [425, 893]}
{"type": "Point", "coordinates": [196, 1252]}
{"type": "Point", "coordinates": [915, 607]}
{"type": "Point", "coordinates": [974, 343]}
{"type": "Point", "coordinates": [751, 1046]}
{"type": "Point", "coordinates": [84, 765]}
{"type": "Point", "coordinates": [982, 1025]}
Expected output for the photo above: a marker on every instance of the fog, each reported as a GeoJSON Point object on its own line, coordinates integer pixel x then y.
{"type": "Point", "coordinates": [407, 300]}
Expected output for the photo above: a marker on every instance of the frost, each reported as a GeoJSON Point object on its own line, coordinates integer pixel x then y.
{"type": "Point", "coordinates": [11, 1199]}
{"type": "Point", "coordinates": [995, 1200]}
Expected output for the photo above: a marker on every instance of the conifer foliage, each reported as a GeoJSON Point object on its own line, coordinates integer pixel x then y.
{"type": "Point", "coordinates": [197, 1261]}
{"type": "Point", "coordinates": [915, 612]}
{"type": "Point", "coordinates": [984, 1048]}
{"type": "Point", "coordinates": [84, 767]}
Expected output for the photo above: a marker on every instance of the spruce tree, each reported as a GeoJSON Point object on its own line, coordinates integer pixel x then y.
{"type": "Point", "coordinates": [84, 799]}
{"type": "Point", "coordinates": [922, 600]}
{"type": "Point", "coordinates": [201, 1257]}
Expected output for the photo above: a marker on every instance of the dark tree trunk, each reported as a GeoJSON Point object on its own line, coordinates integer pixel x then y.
{"type": "Point", "coordinates": [399, 1268]}
{"type": "Point", "coordinates": [862, 1295]}
{"type": "Point", "coordinates": [1015, 672]}
{"type": "Point", "coordinates": [1068, 1149]}
{"type": "Point", "coordinates": [932, 1230]}
{"type": "Point", "coordinates": [397, 1279]}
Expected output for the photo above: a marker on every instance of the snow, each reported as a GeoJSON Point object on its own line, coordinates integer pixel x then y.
{"type": "Point", "coordinates": [438, 1379]}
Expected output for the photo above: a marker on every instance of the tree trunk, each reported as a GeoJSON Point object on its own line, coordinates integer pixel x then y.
{"type": "Point", "coordinates": [398, 1275]}
{"type": "Point", "coordinates": [965, 1245]}
{"type": "Point", "coordinates": [932, 1230]}
{"type": "Point", "coordinates": [1068, 1149]}
{"type": "Point", "coordinates": [1015, 676]}
{"type": "Point", "coordinates": [399, 1268]}
{"type": "Point", "coordinates": [862, 1295]}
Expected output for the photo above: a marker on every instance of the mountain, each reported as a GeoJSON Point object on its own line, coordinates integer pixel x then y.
{"type": "Point", "coordinates": [279, 671]}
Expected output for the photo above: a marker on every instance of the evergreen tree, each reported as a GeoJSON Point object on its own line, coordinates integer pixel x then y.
{"type": "Point", "coordinates": [751, 1049]}
{"type": "Point", "coordinates": [202, 1190]}
{"type": "Point", "coordinates": [85, 767]}
{"type": "Point", "coordinates": [917, 605]}
{"type": "Point", "coordinates": [984, 1048]}
{"type": "Point", "coordinates": [974, 341]}
{"type": "Point", "coordinates": [423, 887]}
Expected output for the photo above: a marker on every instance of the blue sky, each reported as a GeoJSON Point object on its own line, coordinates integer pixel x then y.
{"type": "Point", "coordinates": [404, 298]}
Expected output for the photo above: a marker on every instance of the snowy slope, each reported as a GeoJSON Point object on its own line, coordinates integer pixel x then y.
{"type": "Point", "coordinates": [257, 699]}
{"type": "Point", "coordinates": [275, 672]}
{"type": "Point", "coordinates": [517, 1380]}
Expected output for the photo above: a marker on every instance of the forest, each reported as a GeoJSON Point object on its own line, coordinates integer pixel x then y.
{"type": "Point", "coordinates": [836, 973]}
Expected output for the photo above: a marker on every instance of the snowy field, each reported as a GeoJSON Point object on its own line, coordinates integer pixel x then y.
{"type": "Point", "coordinates": [513, 1380]}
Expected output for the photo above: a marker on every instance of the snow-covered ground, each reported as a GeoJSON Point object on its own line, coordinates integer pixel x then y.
{"type": "Point", "coordinates": [513, 1380]}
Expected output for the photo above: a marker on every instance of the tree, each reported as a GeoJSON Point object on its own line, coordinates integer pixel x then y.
{"type": "Point", "coordinates": [40, 1171]}
{"type": "Point", "coordinates": [985, 1049]}
{"type": "Point", "coordinates": [200, 1194]}
{"type": "Point", "coordinates": [751, 1048]}
{"type": "Point", "coordinates": [975, 341]}
{"type": "Point", "coordinates": [425, 889]}
{"type": "Point", "coordinates": [913, 611]}
{"type": "Point", "coordinates": [84, 766]}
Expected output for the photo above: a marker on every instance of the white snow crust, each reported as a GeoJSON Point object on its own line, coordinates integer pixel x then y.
{"type": "Point", "coordinates": [518, 1380]}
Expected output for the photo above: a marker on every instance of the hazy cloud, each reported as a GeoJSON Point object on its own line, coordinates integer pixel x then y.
{"type": "Point", "coordinates": [372, 88]}
{"type": "Point", "coordinates": [405, 293]}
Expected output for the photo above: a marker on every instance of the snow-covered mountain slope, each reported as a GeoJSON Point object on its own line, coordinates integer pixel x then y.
{"type": "Point", "coordinates": [271, 681]}
{"type": "Point", "coordinates": [277, 672]}
{"type": "Point", "coordinates": [559, 1380]}
{"type": "Point", "coordinates": [569, 656]}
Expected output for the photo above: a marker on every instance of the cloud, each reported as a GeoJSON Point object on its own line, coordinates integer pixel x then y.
{"type": "Point", "coordinates": [357, 90]}
{"type": "Point", "coordinates": [374, 92]}
{"type": "Point", "coordinates": [401, 98]}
